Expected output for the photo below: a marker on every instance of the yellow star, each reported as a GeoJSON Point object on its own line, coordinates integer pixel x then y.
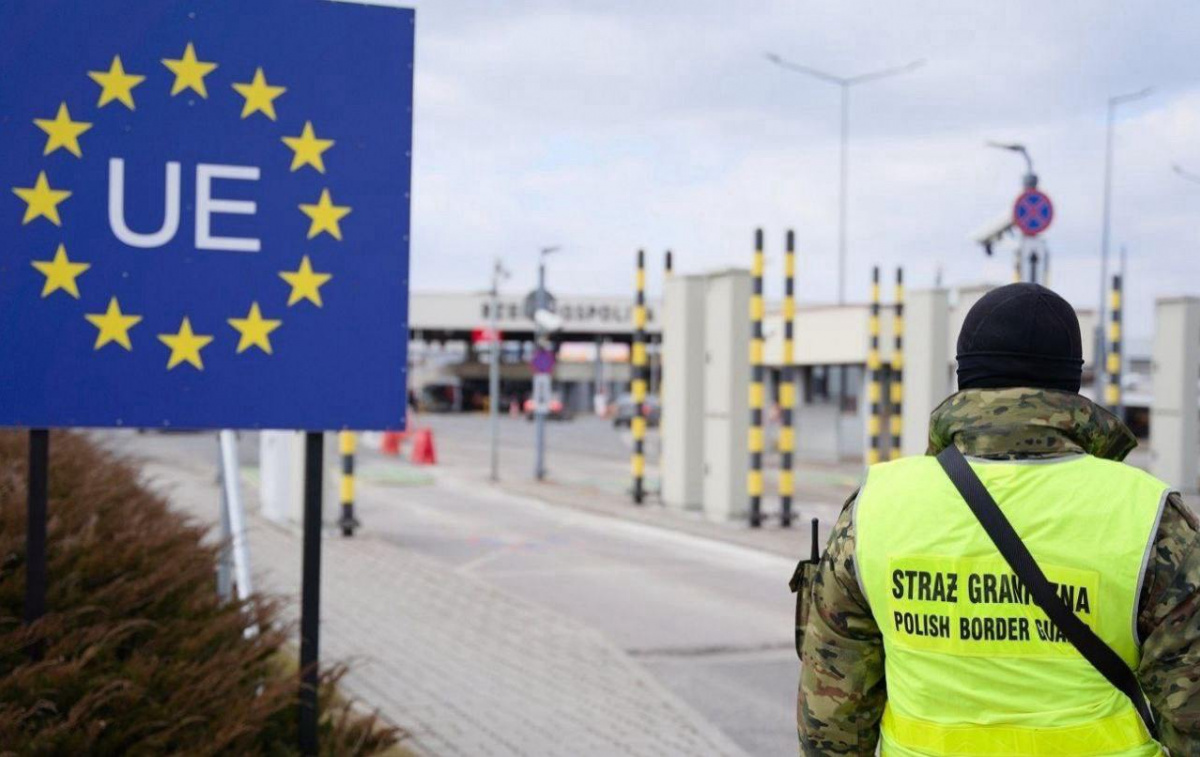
{"type": "Point", "coordinates": [62, 132]}
{"type": "Point", "coordinates": [41, 200]}
{"type": "Point", "coordinates": [114, 325]}
{"type": "Point", "coordinates": [255, 330]}
{"type": "Point", "coordinates": [116, 84]}
{"type": "Point", "coordinates": [308, 148]}
{"type": "Point", "coordinates": [60, 273]}
{"type": "Point", "coordinates": [260, 96]}
{"type": "Point", "coordinates": [306, 283]}
{"type": "Point", "coordinates": [185, 346]}
{"type": "Point", "coordinates": [189, 72]}
{"type": "Point", "coordinates": [325, 216]}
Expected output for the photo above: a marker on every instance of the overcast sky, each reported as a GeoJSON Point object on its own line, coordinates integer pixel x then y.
{"type": "Point", "coordinates": [609, 126]}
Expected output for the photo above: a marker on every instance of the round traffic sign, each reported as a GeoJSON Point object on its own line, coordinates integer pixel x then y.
{"type": "Point", "coordinates": [1033, 212]}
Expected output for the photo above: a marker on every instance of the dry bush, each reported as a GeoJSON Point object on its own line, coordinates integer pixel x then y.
{"type": "Point", "coordinates": [140, 656]}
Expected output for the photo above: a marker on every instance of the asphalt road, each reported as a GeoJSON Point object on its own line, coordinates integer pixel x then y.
{"type": "Point", "coordinates": [583, 450]}
{"type": "Point", "coordinates": [712, 621]}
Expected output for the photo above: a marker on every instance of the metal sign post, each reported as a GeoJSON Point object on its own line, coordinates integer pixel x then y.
{"type": "Point", "coordinates": [498, 274]}
{"type": "Point", "coordinates": [541, 392]}
{"type": "Point", "coordinates": [1033, 212]}
{"type": "Point", "coordinates": [540, 307]}
{"type": "Point", "coordinates": [310, 595]}
{"type": "Point", "coordinates": [540, 358]}
{"type": "Point", "coordinates": [543, 366]}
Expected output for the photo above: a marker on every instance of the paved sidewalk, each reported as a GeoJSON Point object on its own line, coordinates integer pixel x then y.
{"type": "Point", "coordinates": [466, 668]}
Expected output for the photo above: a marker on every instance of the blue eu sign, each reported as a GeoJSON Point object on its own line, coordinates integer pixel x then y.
{"type": "Point", "coordinates": [204, 213]}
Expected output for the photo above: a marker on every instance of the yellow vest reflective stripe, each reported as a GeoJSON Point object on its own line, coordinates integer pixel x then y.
{"type": "Point", "coordinates": [1111, 735]}
{"type": "Point", "coordinates": [973, 666]}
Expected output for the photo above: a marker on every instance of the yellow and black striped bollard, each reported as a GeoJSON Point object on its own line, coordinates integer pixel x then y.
{"type": "Point", "coordinates": [896, 390]}
{"type": "Point", "coordinates": [637, 386]}
{"type": "Point", "coordinates": [346, 446]}
{"type": "Point", "coordinates": [874, 366]}
{"type": "Point", "coordinates": [754, 480]}
{"type": "Point", "coordinates": [1112, 392]}
{"type": "Point", "coordinates": [787, 388]}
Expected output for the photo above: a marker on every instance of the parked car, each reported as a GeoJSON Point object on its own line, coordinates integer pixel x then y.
{"type": "Point", "coordinates": [626, 409]}
{"type": "Point", "coordinates": [557, 410]}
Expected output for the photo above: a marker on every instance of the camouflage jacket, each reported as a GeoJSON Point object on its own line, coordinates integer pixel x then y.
{"type": "Point", "coordinates": [842, 686]}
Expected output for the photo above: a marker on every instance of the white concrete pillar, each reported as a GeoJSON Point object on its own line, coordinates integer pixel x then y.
{"type": "Point", "coordinates": [1174, 411]}
{"type": "Point", "coordinates": [726, 394]}
{"type": "Point", "coordinates": [275, 480]}
{"type": "Point", "coordinates": [927, 367]}
{"type": "Point", "coordinates": [682, 421]}
{"type": "Point", "coordinates": [281, 475]}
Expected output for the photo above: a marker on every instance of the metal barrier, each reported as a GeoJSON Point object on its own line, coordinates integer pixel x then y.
{"type": "Point", "coordinates": [787, 386]}
{"type": "Point", "coordinates": [896, 390]}
{"type": "Point", "coordinates": [637, 386]}
{"type": "Point", "coordinates": [874, 390]}
{"type": "Point", "coordinates": [1112, 392]}
{"type": "Point", "coordinates": [347, 442]}
{"type": "Point", "coordinates": [754, 479]}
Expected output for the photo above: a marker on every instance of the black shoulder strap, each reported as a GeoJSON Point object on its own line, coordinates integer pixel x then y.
{"type": "Point", "coordinates": [1092, 647]}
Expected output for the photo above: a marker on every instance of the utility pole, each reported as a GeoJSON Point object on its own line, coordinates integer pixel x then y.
{"type": "Point", "coordinates": [1101, 345]}
{"type": "Point", "coordinates": [498, 274]}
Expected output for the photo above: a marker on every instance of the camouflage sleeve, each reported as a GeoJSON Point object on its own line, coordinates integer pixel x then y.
{"type": "Point", "coordinates": [1169, 624]}
{"type": "Point", "coordinates": [842, 691]}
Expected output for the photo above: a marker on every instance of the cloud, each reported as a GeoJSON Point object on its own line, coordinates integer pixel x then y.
{"type": "Point", "coordinates": [610, 126]}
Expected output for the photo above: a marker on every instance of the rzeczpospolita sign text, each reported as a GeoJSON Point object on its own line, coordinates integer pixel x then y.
{"type": "Point", "coordinates": [204, 213]}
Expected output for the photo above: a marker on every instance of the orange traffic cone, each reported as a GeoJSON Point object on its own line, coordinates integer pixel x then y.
{"type": "Point", "coordinates": [423, 452]}
{"type": "Point", "coordinates": [392, 441]}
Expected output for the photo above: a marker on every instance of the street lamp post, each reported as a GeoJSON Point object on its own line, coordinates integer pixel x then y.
{"type": "Point", "coordinates": [845, 83]}
{"type": "Point", "coordinates": [1028, 181]}
{"type": "Point", "coordinates": [541, 342]}
{"type": "Point", "coordinates": [1101, 347]}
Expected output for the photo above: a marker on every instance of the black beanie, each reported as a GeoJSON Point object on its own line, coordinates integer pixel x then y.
{"type": "Point", "coordinates": [1020, 335]}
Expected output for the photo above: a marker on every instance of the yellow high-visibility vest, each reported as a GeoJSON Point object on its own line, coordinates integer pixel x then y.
{"type": "Point", "coordinates": [973, 666]}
